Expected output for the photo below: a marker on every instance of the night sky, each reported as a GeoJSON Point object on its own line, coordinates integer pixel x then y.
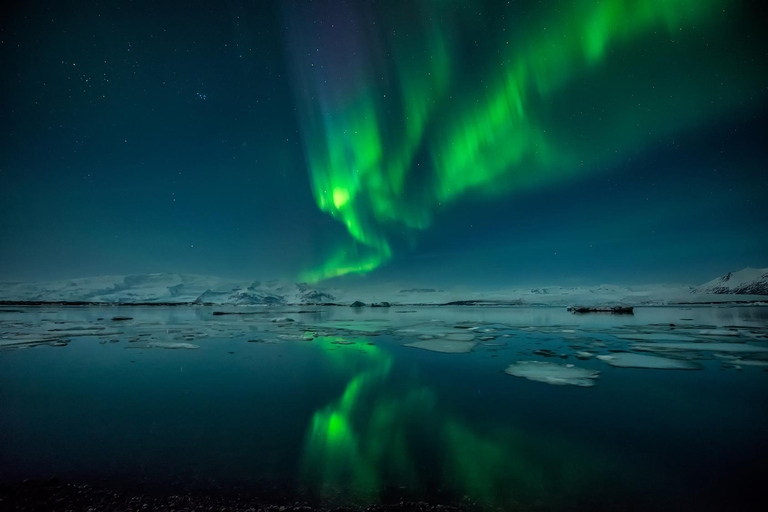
{"type": "Point", "coordinates": [472, 143]}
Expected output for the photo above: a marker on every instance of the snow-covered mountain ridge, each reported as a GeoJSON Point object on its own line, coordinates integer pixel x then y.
{"type": "Point", "coordinates": [164, 288]}
{"type": "Point", "coordinates": [748, 281]}
{"type": "Point", "coordinates": [197, 289]}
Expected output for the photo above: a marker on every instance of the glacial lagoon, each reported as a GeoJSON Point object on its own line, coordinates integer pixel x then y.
{"type": "Point", "coordinates": [485, 408]}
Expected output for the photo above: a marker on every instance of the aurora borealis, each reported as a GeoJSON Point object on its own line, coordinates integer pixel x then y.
{"type": "Point", "coordinates": [434, 143]}
{"type": "Point", "coordinates": [328, 255]}
{"type": "Point", "coordinates": [402, 117]}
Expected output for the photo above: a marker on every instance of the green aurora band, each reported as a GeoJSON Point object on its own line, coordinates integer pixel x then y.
{"type": "Point", "coordinates": [400, 122]}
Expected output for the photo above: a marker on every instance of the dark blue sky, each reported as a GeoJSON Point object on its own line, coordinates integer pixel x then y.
{"type": "Point", "coordinates": [155, 137]}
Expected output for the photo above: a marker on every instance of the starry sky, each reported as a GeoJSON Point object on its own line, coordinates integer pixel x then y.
{"type": "Point", "coordinates": [474, 143]}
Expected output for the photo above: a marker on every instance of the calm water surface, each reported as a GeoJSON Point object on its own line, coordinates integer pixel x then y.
{"type": "Point", "coordinates": [333, 405]}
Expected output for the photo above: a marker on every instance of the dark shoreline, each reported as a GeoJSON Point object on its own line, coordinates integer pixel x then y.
{"type": "Point", "coordinates": [55, 494]}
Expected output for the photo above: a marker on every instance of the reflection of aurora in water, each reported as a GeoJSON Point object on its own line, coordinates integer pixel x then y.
{"type": "Point", "coordinates": [383, 432]}
{"type": "Point", "coordinates": [420, 107]}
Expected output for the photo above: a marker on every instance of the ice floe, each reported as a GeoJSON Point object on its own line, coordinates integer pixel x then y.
{"type": "Point", "coordinates": [719, 332]}
{"type": "Point", "coordinates": [709, 347]}
{"type": "Point", "coordinates": [630, 360]}
{"type": "Point", "coordinates": [655, 337]}
{"type": "Point", "coordinates": [172, 345]}
{"type": "Point", "coordinates": [357, 325]}
{"type": "Point", "coordinates": [555, 374]}
{"type": "Point", "coordinates": [749, 362]}
{"type": "Point", "coordinates": [460, 337]}
{"type": "Point", "coordinates": [443, 345]}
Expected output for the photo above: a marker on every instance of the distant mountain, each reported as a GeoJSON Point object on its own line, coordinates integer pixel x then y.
{"type": "Point", "coordinates": [165, 288]}
{"type": "Point", "coordinates": [197, 289]}
{"type": "Point", "coordinates": [749, 281]}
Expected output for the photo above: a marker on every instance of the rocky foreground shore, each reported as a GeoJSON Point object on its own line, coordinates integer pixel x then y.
{"type": "Point", "coordinates": [56, 495]}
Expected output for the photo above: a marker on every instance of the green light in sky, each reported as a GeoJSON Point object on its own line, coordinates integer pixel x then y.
{"type": "Point", "coordinates": [402, 123]}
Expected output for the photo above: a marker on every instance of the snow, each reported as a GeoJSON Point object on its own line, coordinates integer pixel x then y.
{"type": "Point", "coordinates": [748, 281]}
{"type": "Point", "coordinates": [190, 288]}
{"type": "Point", "coordinates": [555, 374]}
{"type": "Point", "coordinates": [198, 289]}
{"type": "Point", "coordinates": [165, 288]}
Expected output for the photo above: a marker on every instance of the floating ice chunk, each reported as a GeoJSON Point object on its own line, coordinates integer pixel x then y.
{"type": "Point", "coordinates": [13, 344]}
{"type": "Point", "coordinates": [171, 344]}
{"type": "Point", "coordinates": [14, 337]}
{"type": "Point", "coordinates": [655, 337]}
{"type": "Point", "coordinates": [78, 328]}
{"type": "Point", "coordinates": [630, 360]}
{"type": "Point", "coordinates": [736, 360]}
{"type": "Point", "coordinates": [709, 347]}
{"type": "Point", "coordinates": [444, 345]}
{"type": "Point", "coordinates": [555, 374]}
{"type": "Point", "coordinates": [292, 337]}
{"type": "Point", "coordinates": [750, 362]}
{"type": "Point", "coordinates": [429, 328]}
{"type": "Point", "coordinates": [356, 325]}
{"type": "Point", "coordinates": [719, 332]}
{"type": "Point", "coordinates": [460, 337]}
